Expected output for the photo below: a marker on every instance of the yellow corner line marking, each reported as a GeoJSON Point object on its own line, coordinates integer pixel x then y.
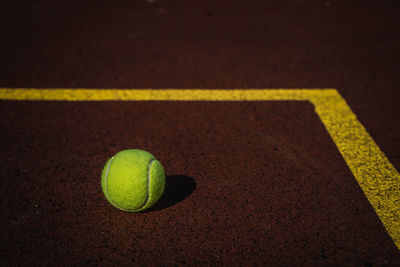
{"type": "Point", "coordinates": [376, 176]}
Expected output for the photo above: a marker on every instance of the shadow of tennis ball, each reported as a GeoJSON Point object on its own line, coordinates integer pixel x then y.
{"type": "Point", "coordinates": [177, 188]}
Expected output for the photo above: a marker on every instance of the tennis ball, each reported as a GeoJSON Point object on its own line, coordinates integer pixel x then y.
{"type": "Point", "coordinates": [133, 180]}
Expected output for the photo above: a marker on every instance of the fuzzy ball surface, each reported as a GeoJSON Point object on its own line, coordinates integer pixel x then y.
{"type": "Point", "coordinates": [133, 180]}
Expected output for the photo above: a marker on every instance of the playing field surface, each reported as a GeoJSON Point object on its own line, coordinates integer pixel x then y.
{"type": "Point", "coordinates": [276, 123]}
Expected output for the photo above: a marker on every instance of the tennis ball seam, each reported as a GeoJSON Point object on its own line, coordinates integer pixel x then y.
{"type": "Point", "coordinates": [106, 182]}
{"type": "Point", "coordinates": [148, 186]}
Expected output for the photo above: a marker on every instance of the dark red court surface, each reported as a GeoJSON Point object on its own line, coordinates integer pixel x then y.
{"type": "Point", "coordinates": [248, 183]}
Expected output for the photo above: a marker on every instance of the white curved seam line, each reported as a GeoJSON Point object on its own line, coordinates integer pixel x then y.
{"type": "Point", "coordinates": [106, 188]}
{"type": "Point", "coordinates": [148, 185]}
{"type": "Point", "coordinates": [106, 180]}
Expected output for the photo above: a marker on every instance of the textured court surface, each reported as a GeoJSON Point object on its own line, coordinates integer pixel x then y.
{"type": "Point", "coordinates": [281, 178]}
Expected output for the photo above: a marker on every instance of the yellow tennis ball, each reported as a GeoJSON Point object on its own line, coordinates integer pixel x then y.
{"type": "Point", "coordinates": [133, 180]}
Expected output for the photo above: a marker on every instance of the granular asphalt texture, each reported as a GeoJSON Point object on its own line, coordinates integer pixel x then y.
{"type": "Point", "coordinates": [248, 183]}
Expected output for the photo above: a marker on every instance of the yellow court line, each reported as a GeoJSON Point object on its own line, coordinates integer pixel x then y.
{"type": "Point", "coordinates": [377, 177]}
